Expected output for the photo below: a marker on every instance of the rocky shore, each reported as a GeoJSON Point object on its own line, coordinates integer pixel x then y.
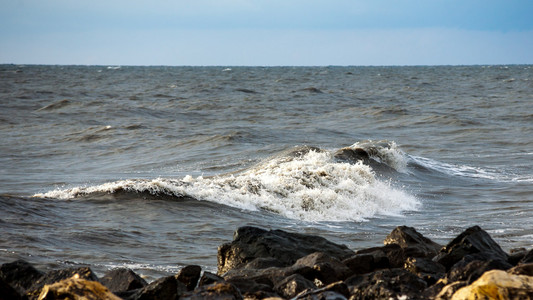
{"type": "Point", "coordinates": [276, 264]}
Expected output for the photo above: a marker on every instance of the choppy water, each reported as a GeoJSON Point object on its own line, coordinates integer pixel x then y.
{"type": "Point", "coordinates": [154, 167]}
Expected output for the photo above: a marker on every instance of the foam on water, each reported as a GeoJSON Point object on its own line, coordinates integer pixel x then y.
{"type": "Point", "coordinates": [311, 187]}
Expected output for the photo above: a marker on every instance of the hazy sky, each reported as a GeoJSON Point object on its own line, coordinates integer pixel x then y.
{"type": "Point", "coordinates": [266, 32]}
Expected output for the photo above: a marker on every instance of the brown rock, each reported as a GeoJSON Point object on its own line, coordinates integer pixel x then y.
{"type": "Point", "coordinates": [408, 237]}
{"type": "Point", "coordinates": [522, 269]}
{"type": "Point", "coordinates": [76, 288]}
{"type": "Point", "coordinates": [498, 284]}
{"type": "Point", "coordinates": [189, 276]}
{"type": "Point", "coordinates": [122, 280]}
{"type": "Point", "coordinates": [221, 290]}
{"type": "Point", "coordinates": [292, 285]}
{"type": "Point", "coordinates": [329, 269]}
{"type": "Point", "coordinates": [168, 288]}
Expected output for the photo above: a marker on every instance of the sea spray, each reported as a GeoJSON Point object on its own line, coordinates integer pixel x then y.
{"type": "Point", "coordinates": [310, 186]}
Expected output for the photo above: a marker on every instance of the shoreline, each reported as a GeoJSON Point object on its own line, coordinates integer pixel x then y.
{"type": "Point", "coordinates": [277, 264]}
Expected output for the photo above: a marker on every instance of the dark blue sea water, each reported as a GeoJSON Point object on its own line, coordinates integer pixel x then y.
{"type": "Point", "coordinates": [153, 168]}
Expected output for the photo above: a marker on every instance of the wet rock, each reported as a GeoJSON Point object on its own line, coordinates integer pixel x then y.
{"type": "Point", "coordinates": [7, 292]}
{"type": "Point", "coordinates": [76, 288]}
{"type": "Point", "coordinates": [221, 290]}
{"type": "Point", "coordinates": [385, 284]}
{"type": "Point", "coordinates": [250, 289]}
{"type": "Point", "coordinates": [250, 243]}
{"type": "Point", "coordinates": [498, 284]}
{"type": "Point", "coordinates": [263, 263]}
{"type": "Point", "coordinates": [271, 276]}
{"type": "Point", "coordinates": [164, 288]}
{"type": "Point", "coordinates": [122, 280]}
{"type": "Point", "coordinates": [189, 276]}
{"type": "Point", "coordinates": [20, 275]}
{"type": "Point", "coordinates": [52, 277]}
{"type": "Point", "coordinates": [366, 263]}
{"type": "Point", "coordinates": [474, 240]}
{"type": "Point", "coordinates": [522, 269]}
{"type": "Point", "coordinates": [336, 290]}
{"type": "Point", "coordinates": [528, 258]}
{"type": "Point", "coordinates": [516, 255]}
{"type": "Point", "coordinates": [426, 269]}
{"type": "Point", "coordinates": [329, 269]}
{"type": "Point", "coordinates": [209, 278]}
{"type": "Point", "coordinates": [395, 254]}
{"type": "Point", "coordinates": [470, 270]}
{"type": "Point", "coordinates": [312, 90]}
{"type": "Point", "coordinates": [292, 285]}
{"type": "Point", "coordinates": [408, 237]}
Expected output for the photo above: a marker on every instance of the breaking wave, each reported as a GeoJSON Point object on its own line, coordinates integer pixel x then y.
{"type": "Point", "coordinates": [305, 183]}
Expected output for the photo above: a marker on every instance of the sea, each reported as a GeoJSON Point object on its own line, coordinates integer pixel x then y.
{"type": "Point", "coordinates": [153, 167]}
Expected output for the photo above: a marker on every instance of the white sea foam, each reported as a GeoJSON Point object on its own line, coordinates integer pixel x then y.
{"type": "Point", "coordinates": [386, 152]}
{"type": "Point", "coordinates": [311, 187]}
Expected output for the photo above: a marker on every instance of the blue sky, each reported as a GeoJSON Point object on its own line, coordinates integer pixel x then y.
{"type": "Point", "coordinates": [266, 32]}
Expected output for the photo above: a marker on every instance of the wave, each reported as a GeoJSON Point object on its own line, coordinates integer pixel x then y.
{"type": "Point", "coordinates": [304, 183]}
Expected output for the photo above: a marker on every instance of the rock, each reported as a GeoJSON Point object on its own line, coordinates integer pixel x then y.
{"type": "Point", "coordinates": [58, 275]}
{"type": "Point", "coordinates": [263, 263]}
{"type": "Point", "coordinates": [271, 276]}
{"type": "Point", "coordinates": [469, 271]}
{"type": "Point", "coordinates": [522, 269]}
{"type": "Point", "coordinates": [250, 243]}
{"type": "Point", "coordinates": [336, 290]}
{"type": "Point", "coordinates": [189, 276]}
{"type": "Point", "coordinates": [426, 269]}
{"type": "Point", "coordinates": [76, 288]}
{"type": "Point", "coordinates": [220, 290]}
{"type": "Point", "coordinates": [250, 289]}
{"type": "Point", "coordinates": [366, 263]}
{"type": "Point", "coordinates": [385, 284]}
{"type": "Point", "coordinates": [471, 241]}
{"type": "Point", "coordinates": [395, 254]}
{"type": "Point", "coordinates": [122, 280]}
{"type": "Point", "coordinates": [516, 255]}
{"type": "Point", "coordinates": [329, 269]}
{"type": "Point", "coordinates": [408, 237]}
{"type": "Point", "coordinates": [528, 258]}
{"type": "Point", "coordinates": [292, 285]}
{"type": "Point", "coordinates": [7, 292]}
{"type": "Point", "coordinates": [209, 278]}
{"type": "Point", "coordinates": [450, 289]}
{"type": "Point", "coordinates": [20, 275]}
{"type": "Point", "coordinates": [497, 284]}
{"type": "Point", "coordinates": [313, 90]}
{"type": "Point", "coordinates": [164, 288]}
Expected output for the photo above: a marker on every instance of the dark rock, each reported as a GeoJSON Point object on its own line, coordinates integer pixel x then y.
{"type": "Point", "coordinates": [329, 269]}
{"type": "Point", "coordinates": [471, 241]}
{"type": "Point", "coordinates": [7, 292]}
{"type": "Point", "coordinates": [425, 268]}
{"type": "Point", "coordinates": [366, 263]}
{"type": "Point", "coordinates": [408, 237]}
{"type": "Point", "coordinates": [264, 263]}
{"type": "Point", "coordinates": [528, 258]}
{"type": "Point", "coordinates": [292, 285]}
{"type": "Point", "coordinates": [516, 255]}
{"type": "Point", "coordinates": [247, 91]}
{"type": "Point", "coordinates": [253, 290]}
{"type": "Point", "coordinates": [189, 276]}
{"type": "Point", "coordinates": [209, 278]}
{"type": "Point", "coordinates": [271, 276]}
{"type": "Point", "coordinates": [20, 275]}
{"type": "Point", "coordinates": [447, 291]}
{"type": "Point", "coordinates": [164, 288]}
{"type": "Point", "coordinates": [122, 280]}
{"type": "Point", "coordinates": [221, 290]}
{"type": "Point", "coordinates": [313, 90]}
{"type": "Point", "coordinates": [522, 269]}
{"type": "Point", "coordinates": [385, 284]}
{"type": "Point", "coordinates": [250, 243]}
{"type": "Point", "coordinates": [395, 254]}
{"type": "Point", "coordinates": [336, 290]}
{"type": "Point", "coordinates": [58, 275]}
{"type": "Point", "coordinates": [469, 270]}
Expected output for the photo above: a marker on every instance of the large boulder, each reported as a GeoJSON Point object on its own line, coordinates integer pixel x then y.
{"type": "Point", "coordinates": [385, 284]}
{"type": "Point", "coordinates": [54, 276]}
{"type": "Point", "coordinates": [329, 269]}
{"type": "Point", "coordinates": [250, 243]}
{"type": "Point", "coordinates": [408, 237]}
{"type": "Point", "coordinates": [164, 288]}
{"type": "Point", "coordinates": [474, 240]}
{"type": "Point", "coordinates": [20, 274]}
{"type": "Point", "coordinates": [122, 280]}
{"type": "Point", "coordinates": [189, 276]}
{"type": "Point", "coordinates": [76, 288]}
{"type": "Point", "coordinates": [497, 284]}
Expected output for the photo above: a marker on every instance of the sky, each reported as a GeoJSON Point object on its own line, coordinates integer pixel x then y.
{"type": "Point", "coordinates": [266, 32]}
